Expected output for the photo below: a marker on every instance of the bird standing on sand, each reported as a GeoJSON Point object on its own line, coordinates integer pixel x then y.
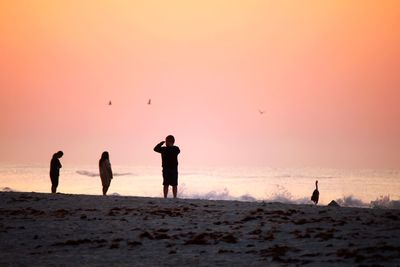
{"type": "Point", "coordinates": [149, 102]}
{"type": "Point", "coordinates": [315, 194]}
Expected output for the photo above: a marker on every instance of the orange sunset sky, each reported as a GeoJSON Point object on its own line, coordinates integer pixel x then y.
{"type": "Point", "coordinates": [325, 72]}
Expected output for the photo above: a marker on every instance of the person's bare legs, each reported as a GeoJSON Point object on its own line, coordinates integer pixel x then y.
{"type": "Point", "coordinates": [175, 190]}
{"type": "Point", "coordinates": [105, 189]}
{"type": "Point", "coordinates": [165, 191]}
{"type": "Point", "coordinates": [54, 184]}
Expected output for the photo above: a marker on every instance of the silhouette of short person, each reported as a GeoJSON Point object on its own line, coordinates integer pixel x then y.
{"type": "Point", "coordinates": [169, 157]}
{"type": "Point", "coordinates": [55, 166]}
{"type": "Point", "coordinates": [106, 174]}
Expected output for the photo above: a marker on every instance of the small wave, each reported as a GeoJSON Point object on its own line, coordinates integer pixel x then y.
{"type": "Point", "coordinates": [96, 174]}
{"type": "Point", "coordinates": [282, 195]}
{"type": "Point", "coordinates": [224, 195]}
{"type": "Point", "coordinates": [87, 173]}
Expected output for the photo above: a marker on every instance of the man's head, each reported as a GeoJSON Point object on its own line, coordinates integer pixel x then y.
{"type": "Point", "coordinates": [105, 155]}
{"type": "Point", "coordinates": [169, 140]}
{"type": "Point", "coordinates": [59, 154]}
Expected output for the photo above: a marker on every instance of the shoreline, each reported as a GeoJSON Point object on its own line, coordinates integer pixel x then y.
{"type": "Point", "coordinates": [42, 229]}
{"type": "Point", "coordinates": [390, 205]}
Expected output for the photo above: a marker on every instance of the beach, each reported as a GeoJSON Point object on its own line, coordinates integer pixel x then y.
{"type": "Point", "coordinates": [38, 229]}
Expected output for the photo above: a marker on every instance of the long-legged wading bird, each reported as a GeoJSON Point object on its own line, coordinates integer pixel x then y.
{"type": "Point", "coordinates": [315, 194]}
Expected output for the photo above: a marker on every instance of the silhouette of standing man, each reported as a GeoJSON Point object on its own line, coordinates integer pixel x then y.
{"type": "Point", "coordinates": [169, 156]}
{"type": "Point", "coordinates": [55, 166]}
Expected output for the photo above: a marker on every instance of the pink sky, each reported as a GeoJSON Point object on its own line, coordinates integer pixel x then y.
{"type": "Point", "coordinates": [325, 72]}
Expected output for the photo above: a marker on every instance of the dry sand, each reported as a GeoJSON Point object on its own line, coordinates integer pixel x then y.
{"type": "Point", "coordinates": [80, 230]}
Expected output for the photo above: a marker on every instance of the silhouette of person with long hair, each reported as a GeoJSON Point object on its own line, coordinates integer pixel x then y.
{"type": "Point", "coordinates": [106, 174]}
{"type": "Point", "coordinates": [169, 157]}
{"type": "Point", "coordinates": [55, 166]}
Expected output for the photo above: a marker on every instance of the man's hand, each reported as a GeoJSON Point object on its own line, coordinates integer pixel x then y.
{"type": "Point", "coordinates": [162, 142]}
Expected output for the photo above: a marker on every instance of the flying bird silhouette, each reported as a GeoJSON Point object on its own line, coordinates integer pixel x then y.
{"type": "Point", "coordinates": [261, 111]}
{"type": "Point", "coordinates": [110, 103]}
{"type": "Point", "coordinates": [149, 102]}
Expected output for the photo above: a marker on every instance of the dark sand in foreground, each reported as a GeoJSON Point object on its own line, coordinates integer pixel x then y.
{"type": "Point", "coordinates": [80, 230]}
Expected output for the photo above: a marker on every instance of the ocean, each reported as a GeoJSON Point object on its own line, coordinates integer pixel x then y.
{"type": "Point", "coordinates": [353, 188]}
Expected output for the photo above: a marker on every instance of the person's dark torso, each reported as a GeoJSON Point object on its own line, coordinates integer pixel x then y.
{"type": "Point", "coordinates": [55, 166]}
{"type": "Point", "coordinates": [169, 156]}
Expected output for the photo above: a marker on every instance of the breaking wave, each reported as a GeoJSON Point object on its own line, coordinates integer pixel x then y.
{"type": "Point", "coordinates": [382, 202]}
{"type": "Point", "coordinates": [214, 195]}
{"type": "Point", "coordinates": [351, 201]}
{"type": "Point", "coordinates": [385, 202]}
{"type": "Point", "coordinates": [284, 196]}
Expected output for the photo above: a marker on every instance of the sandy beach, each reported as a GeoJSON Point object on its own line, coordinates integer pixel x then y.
{"type": "Point", "coordinates": [39, 229]}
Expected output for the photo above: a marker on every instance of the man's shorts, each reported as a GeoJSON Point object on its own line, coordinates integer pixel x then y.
{"type": "Point", "coordinates": [170, 177]}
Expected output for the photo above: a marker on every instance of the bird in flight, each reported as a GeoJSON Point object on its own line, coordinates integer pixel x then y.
{"type": "Point", "coordinates": [110, 103]}
{"type": "Point", "coordinates": [261, 111]}
{"type": "Point", "coordinates": [149, 102]}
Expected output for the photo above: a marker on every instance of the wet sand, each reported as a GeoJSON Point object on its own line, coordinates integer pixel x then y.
{"type": "Point", "coordinates": [79, 230]}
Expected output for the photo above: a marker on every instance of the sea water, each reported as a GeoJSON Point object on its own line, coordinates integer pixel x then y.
{"type": "Point", "coordinates": [359, 188]}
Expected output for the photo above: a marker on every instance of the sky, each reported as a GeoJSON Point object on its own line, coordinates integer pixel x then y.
{"type": "Point", "coordinates": [324, 72]}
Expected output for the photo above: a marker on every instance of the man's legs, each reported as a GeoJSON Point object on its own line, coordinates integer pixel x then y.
{"type": "Point", "coordinates": [54, 184]}
{"type": "Point", "coordinates": [105, 189]}
{"type": "Point", "coordinates": [175, 190]}
{"type": "Point", "coordinates": [165, 191]}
